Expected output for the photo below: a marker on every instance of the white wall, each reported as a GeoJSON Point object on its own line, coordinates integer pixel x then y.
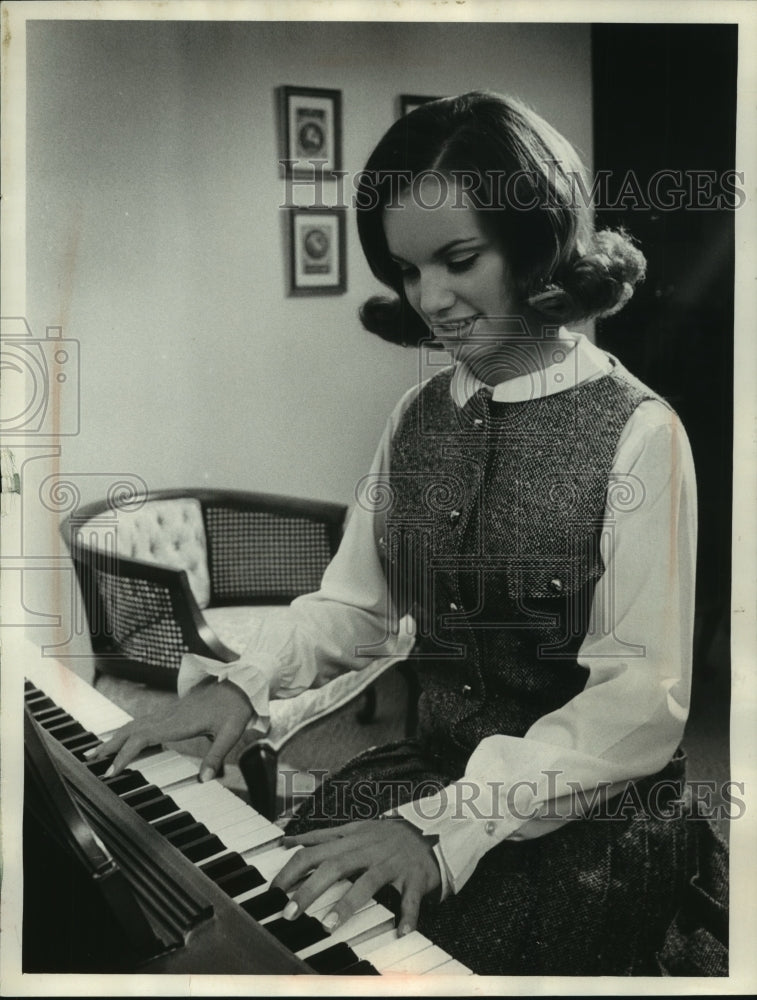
{"type": "Point", "coordinates": [154, 235]}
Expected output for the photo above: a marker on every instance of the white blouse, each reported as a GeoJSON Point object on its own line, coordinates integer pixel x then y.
{"type": "Point", "coordinates": [628, 720]}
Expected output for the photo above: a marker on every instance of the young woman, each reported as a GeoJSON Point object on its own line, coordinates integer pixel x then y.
{"type": "Point", "coordinates": [534, 513]}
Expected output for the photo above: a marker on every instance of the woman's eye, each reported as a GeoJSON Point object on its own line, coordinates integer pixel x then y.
{"type": "Point", "coordinates": [462, 263]}
{"type": "Point", "coordinates": [409, 273]}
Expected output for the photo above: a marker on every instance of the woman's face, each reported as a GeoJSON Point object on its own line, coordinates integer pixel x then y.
{"type": "Point", "coordinates": [454, 272]}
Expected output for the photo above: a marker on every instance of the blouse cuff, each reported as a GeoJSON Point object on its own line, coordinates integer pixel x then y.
{"type": "Point", "coordinates": [466, 827]}
{"type": "Point", "coordinates": [249, 677]}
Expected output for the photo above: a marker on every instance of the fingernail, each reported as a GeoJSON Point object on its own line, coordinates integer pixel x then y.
{"type": "Point", "coordinates": [290, 910]}
{"type": "Point", "coordinates": [330, 921]}
{"type": "Point", "coordinates": [109, 772]}
{"type": "Point", "coordinates": [207, 774]}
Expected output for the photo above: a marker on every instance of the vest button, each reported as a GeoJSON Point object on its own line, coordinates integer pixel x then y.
{"type": "Point", "coordinates": [466, 690]}
{"type": "Point", "coordinates": [453, 606]}
{"type": "Point", "coordinates": [556, 586]}
{"type": "Point", "coordinates": [490, 827]}
{"type": "Point", "coordinates": [382, 543]}
{"type": "Point", "coordinates": [454, 516]}
{"type": "Point", "coordinates": [478, 422]}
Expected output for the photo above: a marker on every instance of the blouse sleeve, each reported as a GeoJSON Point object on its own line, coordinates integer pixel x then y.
{"type": "Point", "coordinates": [629, 719]}
{"type": "Point", "coordinates": [345, 625]}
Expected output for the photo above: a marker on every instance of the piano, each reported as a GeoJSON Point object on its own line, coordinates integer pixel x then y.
{"type": "Point", "coordinates": [180, 871]}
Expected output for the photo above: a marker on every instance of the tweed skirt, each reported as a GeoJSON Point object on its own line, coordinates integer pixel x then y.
{"type": "Point", "coordinates": [598, 896]}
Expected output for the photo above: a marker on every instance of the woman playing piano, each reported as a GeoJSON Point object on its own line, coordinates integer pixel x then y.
{"type": "Point", "coordinates": [535, 515]}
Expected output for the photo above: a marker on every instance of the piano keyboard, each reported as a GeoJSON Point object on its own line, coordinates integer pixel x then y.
{"type": "Point", "coordinates": [226, 840]}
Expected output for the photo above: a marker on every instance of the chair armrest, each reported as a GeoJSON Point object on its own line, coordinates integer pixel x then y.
{"type": "Point", "coordinates": [143, 615]}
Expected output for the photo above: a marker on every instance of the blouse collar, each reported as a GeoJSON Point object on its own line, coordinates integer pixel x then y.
{"type": "Point", "coordinates": [573, 361]}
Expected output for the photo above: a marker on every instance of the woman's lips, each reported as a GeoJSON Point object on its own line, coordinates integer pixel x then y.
{"type": "Point", "coordinates": [454, 328]}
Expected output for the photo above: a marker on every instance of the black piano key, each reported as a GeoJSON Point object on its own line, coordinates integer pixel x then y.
{"type": "Point", "coordinates": [162, 805]}
{"type": "Point", "coordinates": [389, 896]}
{"type": "Point", "coordinates": [230, 862]}
{"type": "Point", "coordinates": [39, 703]}
{"type": "Point", "coordinates": [169, 824]}
{"type": "Point", "coordinates": [78, 745]}
{"type": "Point", "coordinates": [205, 847]}
{"type": "Point", "coordinates": [134, 796]}
{"type": "Point", "coordinates": [331, 961]}
{"type": "Point", "coordinates": [239, 882]}
{"type": "Point", "coordinates": [54, 717]}
{"type": "Point", "coordinates": [187, 834]}
{"type": "Point", "coordinates": [126, 781]}
{"type": "Point", "coordinates": [99, 767]}
{"type": "Point", "coordinates": [266, 904]}
{"type": "Point", "coordinates": [28, 686]}
{"type": "Point", "coordinates": [298, 933]}
{"type": "Point", "coordinates": [63, 730]}
{"type": "Point", "coordinates": [361, 968]}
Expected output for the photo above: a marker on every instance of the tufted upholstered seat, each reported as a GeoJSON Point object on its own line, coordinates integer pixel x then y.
{"type": "Point", "coordinates": [192, 571]}
{"type": "Point", "coordinates": [170, 532]}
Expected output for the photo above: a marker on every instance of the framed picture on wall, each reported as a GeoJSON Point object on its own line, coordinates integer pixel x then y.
{"type": "Point", "coordinates": [409, 102]}
{"type": "Point", "coordinates": [317, 251]}
{"type": "Point", "coordinates": [310, 129]}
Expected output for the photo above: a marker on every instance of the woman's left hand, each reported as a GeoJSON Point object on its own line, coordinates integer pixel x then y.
{"type": "Point", "coordinates": [379, 853]}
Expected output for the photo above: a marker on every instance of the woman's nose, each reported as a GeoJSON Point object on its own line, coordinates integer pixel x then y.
{"type": "Point", "coordinates": [436, 297]}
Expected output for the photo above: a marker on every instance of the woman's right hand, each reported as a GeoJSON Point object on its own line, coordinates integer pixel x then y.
{"type": "Point", "coordinates": [218, 709]}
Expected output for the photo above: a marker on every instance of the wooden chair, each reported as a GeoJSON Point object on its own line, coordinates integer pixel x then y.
{"type": "Point", "coordinates": [191, 571]}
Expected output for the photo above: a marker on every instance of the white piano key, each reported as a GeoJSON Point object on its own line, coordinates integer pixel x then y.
{"type": "Point", "coordinates": [206, 796]}
{"type": "Point", "coordinates": [246, 839]}
{"type": "Point", "coordinates": [234, 818]}
{"type": "Point", "coordinates": [401, 948]}
{"type": "Point", "coordinates": [270, 863]}
{"type": "Point", "coordinates": [167, 773]}
{"type": "Point", "coordinates": [424, 961]}
{"type": "Point", "coordinates": [365, 948]}
{"type": "Point", "coordinates": [451, 968]}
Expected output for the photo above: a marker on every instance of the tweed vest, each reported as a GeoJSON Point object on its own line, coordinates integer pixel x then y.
{"type": "Point", "coordinates": [494, 542]}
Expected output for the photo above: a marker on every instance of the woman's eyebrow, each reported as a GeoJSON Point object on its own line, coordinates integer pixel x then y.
{"type": "Point", "coordinates": [452, 245]}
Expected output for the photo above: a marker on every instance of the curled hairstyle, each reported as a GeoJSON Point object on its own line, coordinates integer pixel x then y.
{"type": "Point", "coordinates": [530, 186]}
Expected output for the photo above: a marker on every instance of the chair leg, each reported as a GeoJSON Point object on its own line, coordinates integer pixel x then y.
{"type": "Point", "coordinates": [368, 712]}
{"type": "Point", "coordinates": [259, 765]}
{"type": "Point", "coordinates": [413, 694]}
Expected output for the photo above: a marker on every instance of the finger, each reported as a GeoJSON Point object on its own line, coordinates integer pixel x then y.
{"type": "Point", "coordinates": [114, 744]}
{"type": "Point", "coordinates": [321, 889]}
{"type": "Point", "coordinates": [412, 893]}
{"type": "Point", "coordinates": [356, 897]}
{"type": "Point", "coordinates": [309, 858]}
{"type": "Point", "coordinates": [132, 748]}
{"type": "Point", "coordinates": [221, 746]}
{"type": "Point", "coordinates": [313, 837]}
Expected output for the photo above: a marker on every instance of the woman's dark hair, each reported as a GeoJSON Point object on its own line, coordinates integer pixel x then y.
{"type": "Point", "coordinates": [530, 185]}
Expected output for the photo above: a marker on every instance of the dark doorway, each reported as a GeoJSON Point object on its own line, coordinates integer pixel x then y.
{"type": "Point", "coordinates": [664, 134]}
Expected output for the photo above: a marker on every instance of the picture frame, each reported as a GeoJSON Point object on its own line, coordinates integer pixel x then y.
{"type": "Point", "coordinates": [409, 102]}
{"type": "Point", "coordinates": [310, 130]}
{"type": "Point", "coordinates": [317, 251]}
